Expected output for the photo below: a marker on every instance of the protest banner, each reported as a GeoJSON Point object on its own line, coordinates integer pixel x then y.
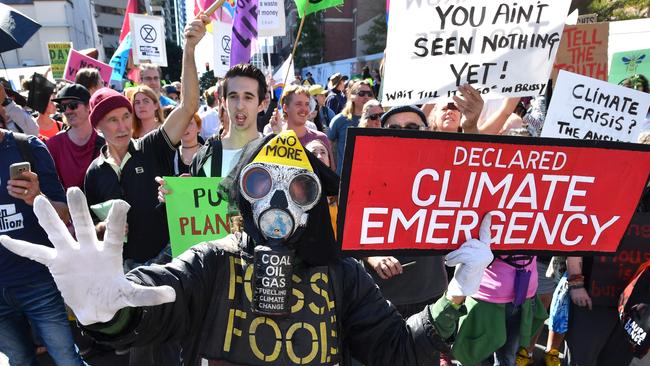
{"type": "Point", "coordinates": [583, 50]}
{"type": "Point", "coordinates": [78, 61]}
{"type": "Point", "coordinates": [271, 19]}
{"type": "Point", "coordinates": [148, 37]}
{"type": "Point", "coordinates": [221, 36]}
{"type": "Point", "coordinates": [430, 191]}
{"type": "Point", "coordinates": [58, 52]}
{"type": "Point", "coordinates": [589, 109]}
{"type": "Point", "coordinates": [502, 49]}
{"type": "Point", "coordinates": [195, 212]}
{"type": "Point", "coordinates": [629, 63]}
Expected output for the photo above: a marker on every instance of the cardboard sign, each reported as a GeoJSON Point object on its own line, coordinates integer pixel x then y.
{"type": "Point", "coordinates": [148, 36]}
{"type": "Point", "coordinates": [195, 212]}
{"type": "Point", "coordinates": [58, 52]}
{"type": "Point", "coordinates": [431, 190]}
{"type": "Point", "coordinates": [502, 49]}
{"type": "Point", "coordinates": [583, 51]}
{"type": "Point", "coordinates": [78, 61]}
{"type": "Point", "coordinates": [590, 109]}
{"type": "Point", "coordinates": [221, 35]}
{"type": "Point", "coordinates": [271, 19]}
{"type": "Point", "coordinates": [626, 64]}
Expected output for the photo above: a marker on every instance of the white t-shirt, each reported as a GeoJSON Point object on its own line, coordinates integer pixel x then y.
{"type": "Point", "coordinates": [229, 158]}
{"type": "Point", "coordinates": [210, 123]}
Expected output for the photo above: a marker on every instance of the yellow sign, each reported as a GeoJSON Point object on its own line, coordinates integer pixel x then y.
{"type": "Point", "coordinates": [58, 52]}
{"type": "Point", "coordinates": [284, 149]}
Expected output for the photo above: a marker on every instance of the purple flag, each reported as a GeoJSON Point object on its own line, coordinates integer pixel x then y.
{"type": "Point", "coordinates": [244, 31]}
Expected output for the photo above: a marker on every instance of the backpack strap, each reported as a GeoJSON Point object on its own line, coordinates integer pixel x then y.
{"type": "Point", "coordinates": [217, 157]}
{"type": "Point", "coordinates": [99, 143]}
{"type": "Point", "coordinates": [22, 143]}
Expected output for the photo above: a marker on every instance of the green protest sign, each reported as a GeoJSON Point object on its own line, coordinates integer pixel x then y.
{"type": "Point", "coordinates": [313, 6]}
{"type": "Point", "coordinates": [628, 63]}
{"type": "Point", "coordinates": [195, 212]}
{"type": "Point", "coordinates": [58, 57]}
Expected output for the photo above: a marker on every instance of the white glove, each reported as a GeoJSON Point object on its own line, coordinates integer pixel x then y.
{"type": "Point", "coordinates": [470, 260]}
{"type": "Point", "coordinates": [88, 273]}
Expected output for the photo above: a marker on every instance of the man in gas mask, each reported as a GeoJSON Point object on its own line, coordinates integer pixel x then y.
{"type": "Point", "coordinates": [276, 293]}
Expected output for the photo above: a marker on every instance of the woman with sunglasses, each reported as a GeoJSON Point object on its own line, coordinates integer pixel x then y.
{"type": "Point", "coordinates": [359, 93]}
{"type": "Point", "coordinates": [371, 115]}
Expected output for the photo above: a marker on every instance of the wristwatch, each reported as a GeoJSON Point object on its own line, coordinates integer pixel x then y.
{"type": "Point", "coordinates": [6, 102]}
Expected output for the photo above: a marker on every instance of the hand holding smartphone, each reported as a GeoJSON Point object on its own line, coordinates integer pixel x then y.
{"type": "Point", "coordinates": [16, 171]}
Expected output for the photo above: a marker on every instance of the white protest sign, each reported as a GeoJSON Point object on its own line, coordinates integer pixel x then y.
{"type": "Point", "coordinates": [590, 109]}
{"type": "Point", "coordinates": [148, 35]}
{"type": "Point", "coordinates": [271, 19]}
{"type": "Point", "coordinates": [502, 49]}
{"type": "Point", "coordinates": [588, 19]}
{"type": "Point", "coordinates": [221, 33]}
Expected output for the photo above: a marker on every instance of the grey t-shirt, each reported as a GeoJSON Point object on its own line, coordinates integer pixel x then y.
{"type": "Point", "coordinates": [421, 281]}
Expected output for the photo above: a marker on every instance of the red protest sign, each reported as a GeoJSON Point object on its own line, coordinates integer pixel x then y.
{"type": "Point", "coordinates": [424, 191]}
{"type": "Point", "coordinates": [583, 50]}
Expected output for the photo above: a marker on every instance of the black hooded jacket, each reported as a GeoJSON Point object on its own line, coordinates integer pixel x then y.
{"type": "Point", "coordinates": [337, 310]}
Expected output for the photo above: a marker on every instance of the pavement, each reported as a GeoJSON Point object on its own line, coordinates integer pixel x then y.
{"type": "Point", "coordinates": [109, 358]}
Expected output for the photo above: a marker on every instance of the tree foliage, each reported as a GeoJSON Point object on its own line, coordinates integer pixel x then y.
{"type": "Point", "coordinates": [375, 39]}
{"type": "Point", "coordinates": [609, 10]}
{"type": "Point", "coordinates": [311, 48]}
{"type": "Point", "coordinates": [207, 80]}
{"type": "Point", "coordinates": [174, 61]}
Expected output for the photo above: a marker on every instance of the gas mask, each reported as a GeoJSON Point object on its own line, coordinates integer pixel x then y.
{"type": "Point", "coordinates": [280, 197]}
{"type": "Point", "coordinates": [281, 187]}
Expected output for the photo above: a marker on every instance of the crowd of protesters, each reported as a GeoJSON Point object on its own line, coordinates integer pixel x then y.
{"type": "Point", "coordinates": [116, 145]}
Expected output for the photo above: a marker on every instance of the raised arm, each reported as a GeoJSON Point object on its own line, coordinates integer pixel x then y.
{"type": "Point", "coordinates": [178, 120]}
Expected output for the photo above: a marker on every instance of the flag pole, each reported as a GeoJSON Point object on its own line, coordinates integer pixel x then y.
{"type": "Point", "coordinates": [295, 44]}
{"type": "Point", "coordinates": [212, 8]}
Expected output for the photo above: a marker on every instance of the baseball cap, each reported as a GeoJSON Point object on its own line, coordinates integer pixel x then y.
{"type": "Point", "coordinates": [73, 92]}
{"type": "Point", "coordinates": [402, 109]}
{"type": "Point", "coordinates": [317, 89]}
{"type": "Point", "coordinates": [170, 89]}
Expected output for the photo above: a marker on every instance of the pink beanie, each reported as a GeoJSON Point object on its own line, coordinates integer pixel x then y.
{"type": "Point", "coordinates": [104, 101]}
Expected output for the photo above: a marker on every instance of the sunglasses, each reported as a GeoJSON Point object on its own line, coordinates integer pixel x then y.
{"type": "Point", "coordinates": [72, 106]}
{"type": "Point", "coordinates": [450, 106]}
{"type": "Point", "coordinates": [409, 126]}
{"type": "Point", "coordinates": [364, 93]}
{"type": "Point", "coordinates": [375, 116]}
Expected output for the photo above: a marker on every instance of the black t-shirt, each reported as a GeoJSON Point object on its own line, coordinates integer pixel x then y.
{"type": "Point", "coordinates": [150, 156]}
{"type": "Point", "coordinates": [607, 276]}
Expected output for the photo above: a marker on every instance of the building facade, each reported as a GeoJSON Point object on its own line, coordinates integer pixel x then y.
{"type": "Point", "coordinates": [109, 17]}
{"type": "Point", "coordinates": [61, 21]}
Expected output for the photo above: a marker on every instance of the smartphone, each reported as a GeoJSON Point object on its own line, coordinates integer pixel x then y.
{"type": "Point", "coordinates": [16, 170]}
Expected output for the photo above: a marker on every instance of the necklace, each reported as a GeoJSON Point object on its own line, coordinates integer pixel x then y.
{"type": "Point", "coordinates": [190, 147]}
